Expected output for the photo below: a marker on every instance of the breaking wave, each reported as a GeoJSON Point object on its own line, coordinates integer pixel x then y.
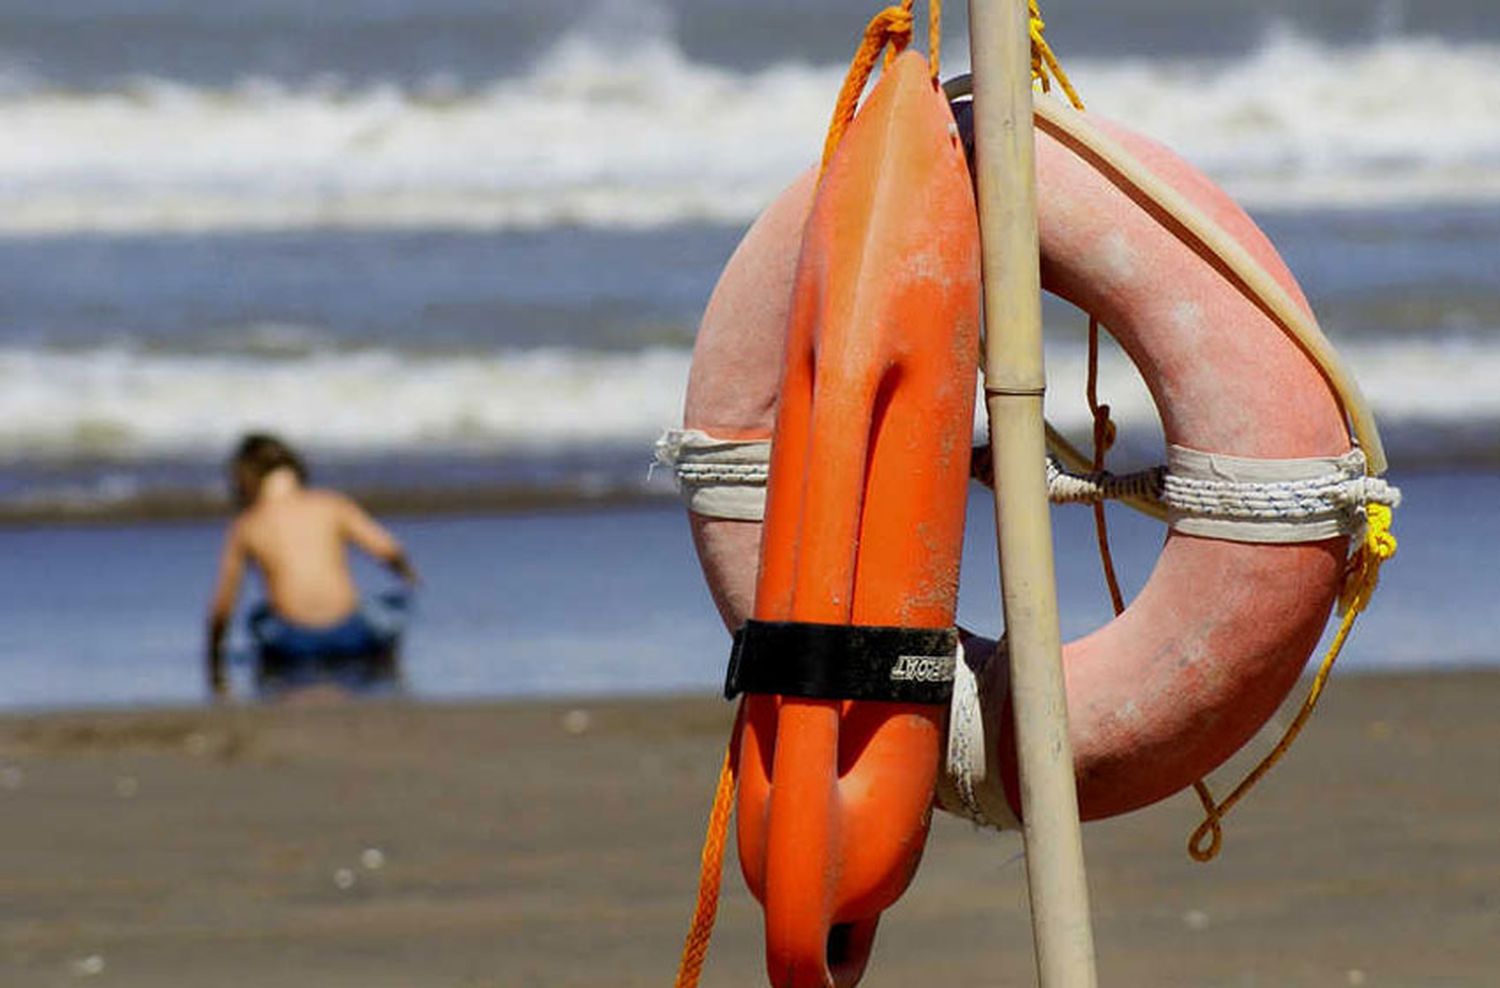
{"type": "Point", "coordinates": [596, 136]}
{"type": "Point", "coordinates": [122, 404]}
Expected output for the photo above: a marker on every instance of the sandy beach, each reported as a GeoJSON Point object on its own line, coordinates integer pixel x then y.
{"type": "Point", "coordinates": [556, 845]}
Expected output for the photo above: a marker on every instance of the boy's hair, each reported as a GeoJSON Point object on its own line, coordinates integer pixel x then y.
{"type": "Point", "coordinates": [258, 454]}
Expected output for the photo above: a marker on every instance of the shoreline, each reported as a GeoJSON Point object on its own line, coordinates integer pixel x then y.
{"type": "Point", "coordinates": [169, 507]}
{"type": "Point", "coordinates": [545, 842]}
{"type": "Point", "coordinates": [504, 499]}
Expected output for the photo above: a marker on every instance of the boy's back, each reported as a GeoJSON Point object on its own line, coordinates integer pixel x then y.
{"type": "Point", "coordinates": [297, 540]}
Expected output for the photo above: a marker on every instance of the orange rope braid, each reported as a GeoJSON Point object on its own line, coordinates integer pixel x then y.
{"type": "Point", "coordinates": [1104, 438]}
{"type": "Point", "coordinates": [893, 27]}
{"type": "Point", "coordinates": [711, 867]}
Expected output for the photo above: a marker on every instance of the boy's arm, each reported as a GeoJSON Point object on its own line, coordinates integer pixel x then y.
{"type": "Point", "coordinates": [226, 591]}
{"type": "Point", "coordinates": [372, 537]}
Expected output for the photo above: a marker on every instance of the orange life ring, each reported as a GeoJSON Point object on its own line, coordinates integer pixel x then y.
{"type": "Point", "coordinates": [1159, 696]}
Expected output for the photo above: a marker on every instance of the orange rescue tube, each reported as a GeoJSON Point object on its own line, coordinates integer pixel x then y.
{"type": "Point", "coordinates": [864, 516]}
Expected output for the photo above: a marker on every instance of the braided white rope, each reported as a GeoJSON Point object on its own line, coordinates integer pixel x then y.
{"type": "Point", "coordinates": [1266, 500]}
{"type": "Point", "coordinates": [1241, 499]}
{"type": "Point", "coordinates": [1065, 487]}
{"type": "Point", "coordinates": [722, 473]}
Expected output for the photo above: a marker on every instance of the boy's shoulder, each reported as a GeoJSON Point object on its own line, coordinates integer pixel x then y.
{"type": "Point", "coordinates": [327, 496]}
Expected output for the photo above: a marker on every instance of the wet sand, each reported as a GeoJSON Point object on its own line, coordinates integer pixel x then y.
{"type": "Point", "coordinates": [531, 844]}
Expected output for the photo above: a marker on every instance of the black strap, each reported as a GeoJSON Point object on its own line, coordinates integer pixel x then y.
{"type": "Point", "coordinates": [842, 662]}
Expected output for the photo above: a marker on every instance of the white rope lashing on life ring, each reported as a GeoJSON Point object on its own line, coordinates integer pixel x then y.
{"type": "Point", "coordinates": [718, 478]}
{"type": "Point", "coordinates": [1240, 499]}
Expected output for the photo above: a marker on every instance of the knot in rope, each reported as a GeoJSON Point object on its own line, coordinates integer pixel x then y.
{"type": "Point", "coordinates": [1104, 438]}
{"type": "Point", "coordinates": [1364, 571]}
{"type": "Point", "coordinates": [1044, 64]}
{"type": "Point", "coordinates": [1105, 431]}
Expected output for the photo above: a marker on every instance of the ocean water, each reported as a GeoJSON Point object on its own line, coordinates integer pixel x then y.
{"type": "Point", "coordinates": [458, 249]}
{"type": "Point", "coordinates": [610, 602]}
{"type": "Point", "coordinates": [461, 245]}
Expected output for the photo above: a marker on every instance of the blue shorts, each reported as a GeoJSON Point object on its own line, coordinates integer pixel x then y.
{"type": "Point", "coordinates": [357, 653]}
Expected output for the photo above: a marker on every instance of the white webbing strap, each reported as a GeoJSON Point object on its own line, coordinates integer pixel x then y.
{"type": "Point", "coordinates": [1263, 500]}
{"type": "Point", "coordinates": [718, 478]}
{"type": "Point", "coordinates": [969, 784]}
{"type": "Point", "coordinates": [1240, 499]}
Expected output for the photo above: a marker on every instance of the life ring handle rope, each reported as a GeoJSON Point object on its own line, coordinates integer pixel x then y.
{"type": "Point", "coordinates": [1199, 493]}
{"type": "Point", "coordinates": [1378, 546]}
{"type": "Point", "coordinates": [1075, 130]}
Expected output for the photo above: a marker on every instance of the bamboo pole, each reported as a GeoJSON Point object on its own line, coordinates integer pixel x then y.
{"type": "Point", "coordinates": [1015, 379]}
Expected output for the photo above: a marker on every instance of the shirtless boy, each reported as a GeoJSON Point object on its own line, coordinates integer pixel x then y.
{"type": "Point", "coordinates": [297, 537]}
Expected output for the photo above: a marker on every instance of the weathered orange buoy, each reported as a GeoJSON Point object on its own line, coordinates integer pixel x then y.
{"type": "Point", "coordinates": [863, 533]}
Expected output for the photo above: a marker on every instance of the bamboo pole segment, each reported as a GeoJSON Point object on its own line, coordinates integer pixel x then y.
{"type": "Point", "coordinates": [1015, 379]}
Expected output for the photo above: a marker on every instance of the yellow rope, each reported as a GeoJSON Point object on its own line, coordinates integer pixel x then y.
{"type": "Point", "coordinates": [1044, 64]}
{"type": "Point", "coordinates": [1359, 584]}
{"type": "Point", "coordinates": [711, 867]}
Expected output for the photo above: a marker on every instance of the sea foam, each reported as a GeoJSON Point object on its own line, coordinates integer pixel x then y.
{"type": "Point", "coordinates": [598, 135]}
{"type": "Point", "coordinates": [124, 404]}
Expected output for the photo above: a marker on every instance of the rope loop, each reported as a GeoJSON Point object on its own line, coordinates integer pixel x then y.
{"type": "Point", "coordinates": [1378, 546]}
{"type": "Point", "coordinates": [1209, 828]}
{"type": "Point", "coordinates": [890, 31]}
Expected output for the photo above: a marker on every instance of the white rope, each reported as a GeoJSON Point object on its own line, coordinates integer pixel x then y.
{"type": "Point", "coordinates": [723, 473]}
{"type": "Point", "coordinates": [1245, 499]}
{"type": "Point", "coordinates": [1066, 487]}
{"type": "Point", "coordinates": [1242, 499]}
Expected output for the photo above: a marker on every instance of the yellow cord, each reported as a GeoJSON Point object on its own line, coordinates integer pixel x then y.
{"type": "Point", "coordinates": [1359, 584]}
{"type": "Point", "coordinates": [1360, 581]}
{"type": "Point", "coordinates": [1044, 64]}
